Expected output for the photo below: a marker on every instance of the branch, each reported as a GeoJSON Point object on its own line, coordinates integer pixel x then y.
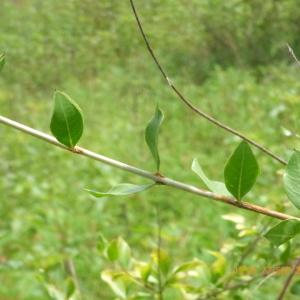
{"type": "Point", "coordinates": [190, 105]}
{"type": "Point", "coordinates": [142, 173]}
{"type": "Point", "coordinates": [289, 279]}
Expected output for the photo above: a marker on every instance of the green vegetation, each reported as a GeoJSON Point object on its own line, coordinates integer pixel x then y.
{"type": "Point", "coordinates": [229, 58]}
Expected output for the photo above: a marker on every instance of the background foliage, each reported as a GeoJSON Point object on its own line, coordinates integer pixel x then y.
{"type": "Point", "coordinates": [229, 57]}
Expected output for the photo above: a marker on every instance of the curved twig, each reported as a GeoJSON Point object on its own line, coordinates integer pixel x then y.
{"type": "Point", "coordinates": [142, 173]}
{"type": "Point", "coordinates": [289, 279]}
{"type": "Point", "coordinates": [190, 105]}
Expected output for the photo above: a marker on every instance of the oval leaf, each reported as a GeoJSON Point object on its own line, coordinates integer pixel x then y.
{"type": "Point", "coordinates": [2, 61]}
{"type": "Point", "coordinates": [215, 186]}
{"type": "Point", "coordinates": [241, 171]}
{"type": "Point", "coordinates": [291, 179]}
{"type": "Point", "coordinates": [67, 121]}
{"type": "Point", "coordinates": [283, 232]}
{"type": "Point", "coordinates": [151, 135]}
{"type": "Point", "coordinates": [122, 189]}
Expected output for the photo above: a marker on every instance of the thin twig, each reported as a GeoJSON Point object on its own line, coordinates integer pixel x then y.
{"type": "Point", "coordinates": [68, 262]}
{"type": "Point", "coordinates": [159, 275]}
{"type": "Point", "coordinates": [291, 51]}
{"type": "Point", "coordinates": [189, 104]}
{"type": "Point", "coordinates": [214, 294]}
{"type": "Point", "coordinates": [252, 245]}
{"type": "Point", "coordinates": [71, 269]}
{"type": "Point", "coordinates": [289, 279]}
{"type": "Point", "coordinates": [142, 173]}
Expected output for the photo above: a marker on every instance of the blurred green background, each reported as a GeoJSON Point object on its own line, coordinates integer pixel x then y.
{"type": "Point", "coordinates": [229, 57]}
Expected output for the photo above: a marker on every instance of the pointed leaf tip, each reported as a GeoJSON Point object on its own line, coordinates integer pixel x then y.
{"type": "Point", "coordinates": [241, 171]}
{"type": "Point", "coordinates": [151, 135]}
{"type": "Point", "coordinates": [67, 120]}
{"type": "Point", "coordinates": [291, 179]}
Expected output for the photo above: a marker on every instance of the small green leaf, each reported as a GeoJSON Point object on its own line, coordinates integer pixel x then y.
{"type": "Point", "coordinates": [121, 189]}
{"type": "Point", "coordinates": [286, 253]}
{"type": "Point", "coordinates": [219, 266]}
{"type": "Point", "coordinates": [2, 61]}
{"type": "Point", "coordinates": [295, 289]}
{"type": "Point", "coordinates": [54, 293]}
{"type": "Point", "coordinates": [101, 244]}
{"type": "Point", "coordinates": [143, 269]}
{"type": "Point", "coordinates": [71, 288]}
{"type": "Point", "coordinates": [291, 179]}
{"type": "Point", "coordinates": [188, 266]}
{"type": "Point", "coordinates": [118, 286]}
{"type": "Point", "coordinates": [113, 250]}
{"type": "Point", "coordinates": [151, 135]}
{"type": "Point", "coordinates": [215, 186]}
{"type": "Point", "coordinates": [283, 231]}
{"type": "Point", "coordinates": [118, 250]}
{"type": "Point", "coordinates": [67, 121]}
{"type": "Point", "coordinates": [163, 261]}
{"type": "Point", "coordinates": [241, 171]}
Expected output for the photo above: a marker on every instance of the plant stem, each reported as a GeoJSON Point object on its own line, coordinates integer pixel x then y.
{"type": "Point", "coordinates": [142, 173]}
{"type": "Point", "coordinates": [159, 277]}
{"type": "Point", "coordinates": [289, 279]}
{"type": "Point", "coordinates": [190, 105]}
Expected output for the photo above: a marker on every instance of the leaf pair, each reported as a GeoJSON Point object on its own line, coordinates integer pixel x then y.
{"type": "Point", "coordinates": [116, 250]}
{"type": "Point", "coordinates": [151, 137]}
{"type": "Point", "coordinates": [240, 173]}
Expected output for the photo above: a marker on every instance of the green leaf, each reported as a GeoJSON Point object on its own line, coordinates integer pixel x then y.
{"type": "Point", "coordinates": [283, 232]}
{"type": "Point", "coordinates": [101, 244]}
{"type": "Point", "coordinates": [220, 264]}
{"type": "Point", "coordinates": [241, 171]}
{"type": "Point", "coordinates": [215, 186]}
{"type": "Point", "coordinates": [121, 189]}
{"type": "Point", "coordinates": [71, 289]}
{"type": "Point", "coordinates": [67, 121]}
{"type": "Point", "coordinates": [143, 269]}
{"type": "Point", "coordinates": [291, 179]}
{"type": "Point", "coordinates": [163, 261]}
{"type": "Point", "coordinates": [188, 266]}
{"type": "Point", "coordinates": [295, 289]}
{"type": "Point", "coordinates": [54, 293]}
{"type": "Point", "coordinates": [118, 250]}
{"type": "Point", "coordinates": [118, 286]}
{"type": "Point", "coordinates": [286, 253]}
{"type": "Point", "coordinates": [151, 135]}
{"type": "Point", "coordinates": [2, 61]}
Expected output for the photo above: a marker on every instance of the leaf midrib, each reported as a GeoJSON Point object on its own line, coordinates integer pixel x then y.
{"type": "Point", "coordinates": [241, 174]}
{"type": "Point", "coordinates": [67, 124]}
